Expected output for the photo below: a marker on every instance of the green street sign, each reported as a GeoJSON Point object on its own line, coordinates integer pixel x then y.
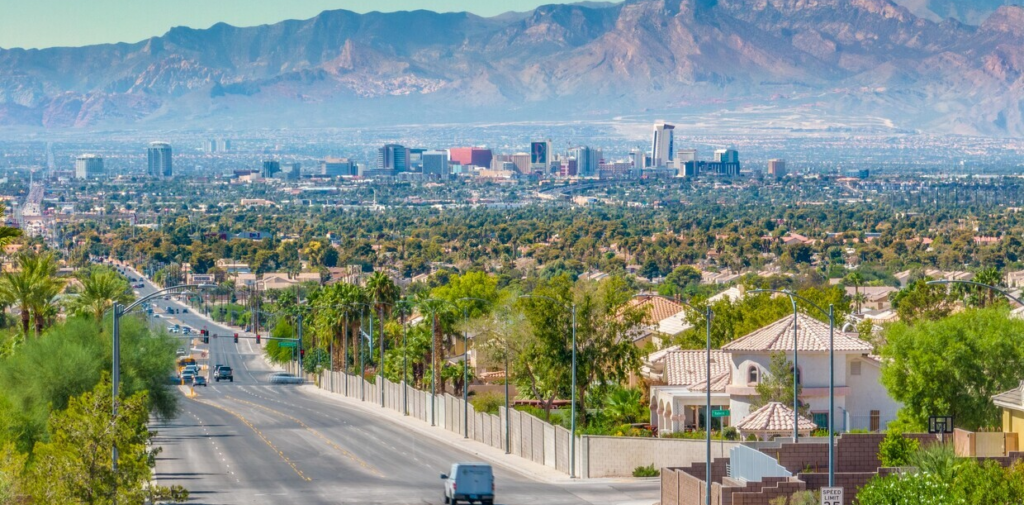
{"type": "Point", "coordinates": [288, 343]}
{"type": "Point", "coordinates": [720, 413]}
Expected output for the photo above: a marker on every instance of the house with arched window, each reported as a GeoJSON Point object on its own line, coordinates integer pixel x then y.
{"type": "Point", "coordinates": [860, 399]}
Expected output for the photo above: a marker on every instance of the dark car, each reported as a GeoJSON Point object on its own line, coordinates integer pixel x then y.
{"type": "Point", "coordinates": [223, 373]}
{"type": "Point", "coordinates": [199, 380]}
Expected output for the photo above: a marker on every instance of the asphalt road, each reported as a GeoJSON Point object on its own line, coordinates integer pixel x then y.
{"type": "Point", "coordinates": [249, 442]}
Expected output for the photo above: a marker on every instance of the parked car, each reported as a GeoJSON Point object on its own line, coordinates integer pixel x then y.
{"type": "Point", "coordinates": [469, 483]}
{"type": "Point", "coordinates": [198, 380]}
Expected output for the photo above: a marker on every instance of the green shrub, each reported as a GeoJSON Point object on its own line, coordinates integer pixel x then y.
{"type": "Point", "coordinates": [646, 471]}
{"type": "Point", "coordinates": [490, 403]}
{"type": "Point", "coordinates": [798, 498]}
{"type": "Point", "coordinates": [731, 433]}
{"type": "Point", "coordinates": [895, 450]}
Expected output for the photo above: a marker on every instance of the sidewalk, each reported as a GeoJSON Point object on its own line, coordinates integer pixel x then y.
{"type": "Point", "coordinates": [492, 455]}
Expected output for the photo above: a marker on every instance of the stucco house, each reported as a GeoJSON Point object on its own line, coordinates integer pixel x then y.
{"type": "Point", "coordinates": [862, 402]}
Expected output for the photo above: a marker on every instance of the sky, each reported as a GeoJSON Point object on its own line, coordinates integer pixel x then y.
{"type": "Point", "coordinates": [52, 23]}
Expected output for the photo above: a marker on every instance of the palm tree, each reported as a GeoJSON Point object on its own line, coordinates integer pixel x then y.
{"type": "Point", "coordinates": [384, 293]}
{"type": "Point", "coordinates": [857, 280]}
{"type": "Point", "coordinates": [101, 288]}
{"type": "Point", "coordinates": [33, 288]}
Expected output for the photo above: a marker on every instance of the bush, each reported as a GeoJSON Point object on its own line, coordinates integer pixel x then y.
{"type": "Point", "coordinates": [798, 498]}
{"type": "Point", "coordinates": [490, 403]}
{"type": "Point", "coordinates": [646, 471]}
{"type": "Point", "coordinates": [895, 450]}
{"type": "Point", "coordinates": [731, 433]}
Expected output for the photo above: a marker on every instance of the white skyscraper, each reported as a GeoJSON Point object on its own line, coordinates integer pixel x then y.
{"type": "Point", "coordinates": [662, 150]}
{"type": "Point", "coordinates": [88, 166]}
{"type": "Point", "coordinates": [160, 160]}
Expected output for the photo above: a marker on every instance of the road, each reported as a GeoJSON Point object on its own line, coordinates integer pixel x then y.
{"type": "Point", "coordinates": [255, 443]}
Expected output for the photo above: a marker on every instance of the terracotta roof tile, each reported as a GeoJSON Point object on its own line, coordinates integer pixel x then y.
{"type": "Point", "coordinates": [812, 335]}
{"type": "Point", "coordinates": [689, 368]}
{"type": "Point", "coordinates": [657, 307]}
{"type": "Point", "coordinates": [773, 418]}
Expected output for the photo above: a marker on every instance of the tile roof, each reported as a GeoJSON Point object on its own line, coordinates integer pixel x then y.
{"type": "Point", "coordinates": [689, 368]}
{"type": "Point", "coordinates": [1013, 398]}
{"type": "Point", "coordinates": [774, 418]}
{"type": "Point", "coordinates": [657, 307]}
{"type": "Point", "coordinates": [812, 335]}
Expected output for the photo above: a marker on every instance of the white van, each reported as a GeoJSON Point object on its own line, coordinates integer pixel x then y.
{"type": "Point", "coordinates": [469, 483]}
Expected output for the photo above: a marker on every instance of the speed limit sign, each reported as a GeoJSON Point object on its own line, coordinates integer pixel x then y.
{"type": "Point", "coordinates": [831, 496]}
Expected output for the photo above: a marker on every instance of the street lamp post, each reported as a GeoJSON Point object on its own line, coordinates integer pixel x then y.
{"type": "Point", "coordinates": [572, 411]}
{"type": "Point", "coordinates": [708, 314]}
{"type": "Point", "coordinates": [433, 355]}
{"type": "Point", "coordinates": [117, 312]}
{"type": "Point", "coordinates": [465, 364]}
{"type": "Point", "coordinates": [979, 284]}
{"type": "Point", "coordinates": [793, 297]}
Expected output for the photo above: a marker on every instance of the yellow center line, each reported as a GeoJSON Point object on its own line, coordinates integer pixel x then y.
{"type": "Point", "coordinates": [319, 435]}
{"type": "Point", "coordinates": [259, 434]}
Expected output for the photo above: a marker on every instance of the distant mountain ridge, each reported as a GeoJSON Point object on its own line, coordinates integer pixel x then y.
{"type": "Point", "coordinates": [865, 57]}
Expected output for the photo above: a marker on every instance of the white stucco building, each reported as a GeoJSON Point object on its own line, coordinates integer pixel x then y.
{"type": "Point", "coordinates": [861, 400]}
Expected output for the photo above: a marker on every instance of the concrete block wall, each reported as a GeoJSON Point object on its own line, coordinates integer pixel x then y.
{"type": "Point", "coordinates": [798, 457]}
{"type": "Point", "coordinates": [616, 456]}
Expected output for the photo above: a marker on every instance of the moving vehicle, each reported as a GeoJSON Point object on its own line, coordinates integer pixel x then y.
{"type": "Point", "coordinates": [285, 378]}
{"type": "Point", "coordinates": [223, 372]}
{"type": "Point", "coordinates": [198, 380]}
{"type": "Point", "coordinates": [186, 377]}
{"type": "Point", "coordinates": [469, 483]}
{"type": "Point", "coordinates": [193, 369]}
{"type": "Point", "coordinates": [181, 352]}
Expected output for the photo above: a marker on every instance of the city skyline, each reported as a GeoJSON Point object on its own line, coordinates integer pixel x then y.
{"type": "Point", "coordinates": [58, 23]}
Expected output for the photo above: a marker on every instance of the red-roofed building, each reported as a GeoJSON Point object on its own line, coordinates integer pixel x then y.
{"type": "Point", "coordinates": [476, 156]}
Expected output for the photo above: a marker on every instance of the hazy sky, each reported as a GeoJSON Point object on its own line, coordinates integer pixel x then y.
{"type": "Point", "coordinates": [49, 23]}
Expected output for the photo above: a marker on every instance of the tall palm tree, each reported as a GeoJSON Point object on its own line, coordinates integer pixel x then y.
{"type": "Point", "coordinates": [33, 288]}
{"type": "Point", "coordinates": [857, 280]}
{"type": "Point", "coordinates": [101, 288]}
{"type": "Point", "coordinates": [384, 293]}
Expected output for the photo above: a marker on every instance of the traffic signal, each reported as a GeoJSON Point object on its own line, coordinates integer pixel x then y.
{"type": "Point", "coordinates": [236, 338]}
{"type": "Point", "coordinates": [302, 353]}
{"type": "Point", "coordinates": [257, 338]}
{"type": "Point", "coordinates": [206, 336]}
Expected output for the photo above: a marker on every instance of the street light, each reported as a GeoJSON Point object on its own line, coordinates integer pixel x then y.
{"type": "Point", "coordinates": [793, 297]}
{"type": "Point", "coordinates": [572, 412]}
{"type": "Point", "coordinates": [298, 339]}
{"type": "Point", "coordinates": [979, 284]}
{"type": "Point", "coordinates": [465, 364]}
{"type": "Point", "coordinates": [708, 314]}
{"type": "Point", "coordinates": [118, 311]}
{"type": "Point", "coordinates": [433, 355]}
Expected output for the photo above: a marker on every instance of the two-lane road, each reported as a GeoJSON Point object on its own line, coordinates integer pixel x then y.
{"type": "Point", "coordinates": [249, 442]}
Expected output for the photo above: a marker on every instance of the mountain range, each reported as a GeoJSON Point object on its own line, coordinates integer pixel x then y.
{"type": "Point", "coordinates": [845, 58]}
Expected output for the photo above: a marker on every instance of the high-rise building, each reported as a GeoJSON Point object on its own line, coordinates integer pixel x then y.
{"type": "Point", "coordinates": [160, 160]}
{"type": "Point", "coordinates": [337, 167]}
{"type": "Point", "coordinates": [522, 162]}
{"type": "Point", "coordinates": [88, 166]}
{"type": "Point", "coordinates": [540, 156]}
{"type": "Point", "coordinates": [662, 148]}
{"type": "Point", "coordinates": [777, 168]}
{"type": "Point", "coordinates": [587, 160]}
{"type": "Point", "coordinates": [435, 165]}
{"type": "Point", "coordinates": [727, 156]}
{"type": "Point", "coordinates": [270, 168]}
{"type": "Point", "coordinates": [415, 159]}
{"type": "Point", "coordinates": [476, 156]}
{"type": "Point", "coordinates": [639, 160]}
{"type": "Point", "coordinates": [393, 157]}
{"type": "Point", "coordinates": [223, 145]}
{"type": "Point", "coordinates": [291, 172]}
{"type": "Point", "coordinates": [684, 155]}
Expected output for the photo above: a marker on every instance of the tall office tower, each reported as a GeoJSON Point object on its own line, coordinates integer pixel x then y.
{"type": "Point", "coordinates": [88, 166]}
{"type": "Point", "coordinates": [476, 156]}
{"type": "Point", "coordinates": [223, 145]}
{"type": "Point", "coordinates": [587, 160]}
{"type": "Point", "coordinates": [393, 157]}
{"type": "Point", "coordinates": [777, 168]}
{"type": "Point", "coordinates": [662, 149]}
{"type": "Point", "coordinates": [270, 168]}
{"type": "Point", "coordinates": [435, 165]}
{"type": "Point", "coordinates": [522, 161]}
{"type": "Point", "coordinates": [727, 156]}
{"type": "Point", "coordinates": [160, 160]}
{"type": "Point", "coordinates": [639, 159]}
{"type": "Point", "coordinates": [210, 146]}
{"type": "Point", "coordinates": [414, 161]}
{"type": "Point", "coordinates": [540, 156]}
{"type": "Point", "coordinates": [291, 172]}
{"type": "Point", "coordinates": [684, 155]}
{"type": "Point", "coordinates": [337, 167]}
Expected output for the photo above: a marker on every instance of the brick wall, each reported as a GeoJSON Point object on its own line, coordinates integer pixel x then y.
{"type": "Point", "coordinates": [858, 452]}
{"type": "Point", "coordinates": [798, 457]}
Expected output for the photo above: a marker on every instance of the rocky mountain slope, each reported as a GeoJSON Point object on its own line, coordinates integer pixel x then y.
{"type": "Point", "coordinates": [848, 57]}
